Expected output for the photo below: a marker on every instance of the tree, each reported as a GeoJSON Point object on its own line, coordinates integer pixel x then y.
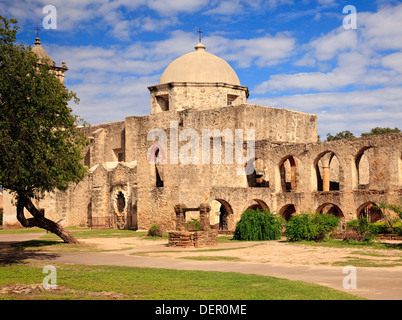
{"type": "Point", "coordinates": [40, 143]}
{"type": "Point", "coordinates": [340, 135]}
{"type": "Point", "coordinates": [380, 130]}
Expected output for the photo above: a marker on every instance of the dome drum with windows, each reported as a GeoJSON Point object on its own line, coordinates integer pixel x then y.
{"type": "Point", "coordinates": [197, 80]}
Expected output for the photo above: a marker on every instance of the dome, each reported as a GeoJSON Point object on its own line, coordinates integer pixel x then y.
{"type": "Point", "coordinates": [199, 66]}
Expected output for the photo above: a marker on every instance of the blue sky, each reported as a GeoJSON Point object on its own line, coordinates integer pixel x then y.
{"type": "Point", "coordinates": [291, 54]}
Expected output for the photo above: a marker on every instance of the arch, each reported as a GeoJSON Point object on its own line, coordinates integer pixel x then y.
{"type": "Point", "coordinates": [330, 208]}
{"type": "Point", "coordinates": [259, 176]}
{"type": "Point", "coordinates": [327, 171]}
{"type": "Point", "coordinates": [258, 205]}
{"type": "Point", "coordinates": [370, 211]}
{"type": "Point", "coordinates": [362, 167]}
{"type": "Point", "coordinates": [224, 211]}
{"type": "Point", "coordinates": [288, 211]}
{"type": "Point", "coordinates": [289, 173]}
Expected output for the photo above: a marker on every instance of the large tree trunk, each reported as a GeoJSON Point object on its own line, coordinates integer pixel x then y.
{"type": "Point", "coordinates": [40, 221]}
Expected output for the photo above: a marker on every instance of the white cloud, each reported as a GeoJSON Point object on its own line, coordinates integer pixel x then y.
{"type": "Point", "coordinates": [357, 111]}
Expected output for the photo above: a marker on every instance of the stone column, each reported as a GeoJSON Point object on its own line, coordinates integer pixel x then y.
{"type": "Point", "coordinates": [205, 224]}
{"type": "Point", "coordinates": [180, 217]}
{"type": "Point", "coordinates": [325, 178]}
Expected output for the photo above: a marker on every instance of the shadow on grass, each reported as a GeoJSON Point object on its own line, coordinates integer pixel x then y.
{"type": "Point", "coordinates": [16, 252]}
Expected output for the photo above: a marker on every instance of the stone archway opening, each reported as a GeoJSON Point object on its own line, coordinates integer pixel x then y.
{"type": "Point", "coordinates": [370, 211]}
{"type": "Point", "coordinates": [259, 205]}
{"type": "Point", "coordinates": [327, 172]}
{"type": "Point", "coordinates": [330, 208]}
{"type": "Point", "coordinates": [222, 215]}
{"type": "Point", "coordinates": [288, 211]}
{"type": "Point", "coordinates": [289, 173]}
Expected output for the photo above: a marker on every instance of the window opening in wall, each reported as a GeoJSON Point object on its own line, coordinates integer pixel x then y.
{"type": "Point", "coordinates": [289, 174]}
{"type": "Point", "coordinates": [121, 202]}
{"type": "Point", "coordinates": [259, 178]}
{"type": "Point", "coordinates": [119, 154]}
{"type": "Point", "coordinates": [327, 170]}
{"type": "Point", "coordinates": [363, 169]}
{"type": "Point", "coordinates": [159, 180]}
{"type": "Point", "coordinates": [231, 98]}
{"type": "Point", "coordinates": [163, 102]}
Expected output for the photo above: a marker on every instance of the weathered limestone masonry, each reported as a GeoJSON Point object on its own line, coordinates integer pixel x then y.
{"type": "Point", "coordinates": [206, 237]}
{"type": "Point", "coordinates": [201, 93]}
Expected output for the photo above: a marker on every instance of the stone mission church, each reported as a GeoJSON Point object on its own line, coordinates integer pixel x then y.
{"type": "Point", "coordinates": [292, 171]}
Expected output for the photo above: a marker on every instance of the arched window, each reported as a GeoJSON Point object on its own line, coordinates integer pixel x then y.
{"type": "Point", "coordinates": [289, 174]}
{"type": "Point", "coordinates": [362, 165]}
{"type": "Point", "coordinates": [259, 177]}
{"type": "Point", "coordinates": [327, 172]}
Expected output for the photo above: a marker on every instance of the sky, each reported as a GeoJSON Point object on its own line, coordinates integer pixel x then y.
{"type": "Point", "coordinates": [307, 55]}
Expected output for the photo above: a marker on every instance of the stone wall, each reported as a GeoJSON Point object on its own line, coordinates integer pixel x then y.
{"type": "Point", "coordinates": [179, 96]}
{"type": "Point", "coordinates": [197, 239]}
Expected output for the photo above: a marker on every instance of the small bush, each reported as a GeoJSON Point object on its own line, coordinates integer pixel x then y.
{"type": "Point", "coordinates": [397, 227]}
{"type": "Point", "coordinates": [155, 231]}
{"type": "Point", "coordinates": [193, 225]}
{"type": "Point", "coordinates": [310, 227]}
{"type": "Point", "coordinates": [380, 227]}
{"type": "Point", "coordinates": [255, 225]}
{"type": "Point", "coordinates": [360, 230]}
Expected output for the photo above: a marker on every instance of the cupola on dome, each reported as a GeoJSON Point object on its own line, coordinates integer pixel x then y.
{"type": "Point", "coordinates": [199, 66]}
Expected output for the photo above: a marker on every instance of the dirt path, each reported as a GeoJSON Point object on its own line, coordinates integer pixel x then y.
{"type": "Point", "coordinates": [275, 252]}
{"type": "Point", "coordinates": [273, 258]}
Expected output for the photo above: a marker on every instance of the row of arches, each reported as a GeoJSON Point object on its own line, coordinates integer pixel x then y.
{"type": "Point", "coordinates": [223, 210]}
{"type": "Point", "coordinates": [328, 171]}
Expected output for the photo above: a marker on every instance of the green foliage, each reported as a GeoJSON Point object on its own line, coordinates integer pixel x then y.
{"type": "Point", "coordinates": [397, 228]}
{"type": "Point", "coordinates": [310, 227]}
{"type": "Point", "coordinates": [380, 130]}
{"type": "Point", "coordinates": [340, 135]}
{"type": "Point", "coordinates": [193, 224]}
{"type": "Point", "coordinates": [360, 230]}
{"type": "Point", "coordinates": [395, 207]}
{"type": "Point", "coordinates": [40, 144]}
{"type": "Point", "coordinates": [380, 227]}
{"type": "Point", "coordinates": [255, 225]}
{"type": "Point", "coordinates": [155, 231]}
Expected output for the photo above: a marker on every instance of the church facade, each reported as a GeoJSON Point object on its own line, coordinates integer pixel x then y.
{"type": "Point", "coordinates": [202, 142]}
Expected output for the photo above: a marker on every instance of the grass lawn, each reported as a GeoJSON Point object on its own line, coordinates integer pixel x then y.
{"type": "Point", "coordinates": [164, 284]}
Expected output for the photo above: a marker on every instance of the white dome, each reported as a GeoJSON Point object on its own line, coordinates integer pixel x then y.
{"type": "Point", "coordinates": [199, 66]}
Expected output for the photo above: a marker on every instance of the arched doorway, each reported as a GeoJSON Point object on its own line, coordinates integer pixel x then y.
{"type": "Point", "coordinates": [330, 208]}
{"type": "Point", "coordinates": [288, 211]}
{"type": "Point", "coordinates": [369, 210]}
{"type": "Point", "coordinates": [223, 211]}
